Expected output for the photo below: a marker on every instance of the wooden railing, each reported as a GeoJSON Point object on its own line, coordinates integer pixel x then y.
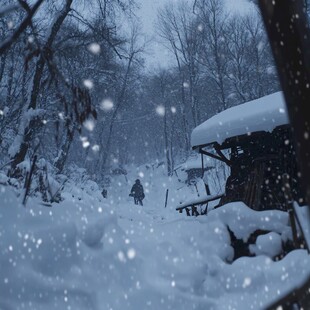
{"type": "Point", "coordinates": [191, 206]}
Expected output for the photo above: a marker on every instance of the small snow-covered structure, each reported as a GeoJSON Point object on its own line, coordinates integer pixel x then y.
{"type": "Point", "coordinates": [194, 169]}
{"type": "Point", "coordinates": [257, 138]}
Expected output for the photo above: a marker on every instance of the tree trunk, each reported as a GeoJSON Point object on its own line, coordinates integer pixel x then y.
{"type": "Point", "coordinates": [28, 131]}
{"type": "Point", "coordinates": [64, 151]}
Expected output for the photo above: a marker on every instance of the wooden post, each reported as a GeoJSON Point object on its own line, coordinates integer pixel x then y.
{"type": "Point", "coordinates": [207, 189]}
{"type": "Point", "coordinates": [289, 207]}
{"type": "Point", "coordinates": [28, 180]}
{"type": "Point", "coordinates": [202, 166]}
{"type": "Point", "coordinates": [167, 191]}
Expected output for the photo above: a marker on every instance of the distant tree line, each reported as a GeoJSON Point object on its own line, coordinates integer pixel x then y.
{"type": "Point", "coordinates": [221, 60]}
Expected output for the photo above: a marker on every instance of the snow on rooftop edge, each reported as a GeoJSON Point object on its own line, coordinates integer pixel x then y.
{"type": "Point", "coordinates": [263, 114]}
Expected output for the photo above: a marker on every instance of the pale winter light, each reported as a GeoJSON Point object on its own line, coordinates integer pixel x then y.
{"type": "Point", "coordinates": [88, 84]}
{"type": "Point", "coordinates": [107, 105]}
{"type": "Point", "coordinates": [94, 48]}
{"type": "Point", "coordinates": [160, 110]}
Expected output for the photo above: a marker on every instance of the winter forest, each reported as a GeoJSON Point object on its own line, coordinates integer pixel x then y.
{"type": "Point", "coordinates": [144, 158]}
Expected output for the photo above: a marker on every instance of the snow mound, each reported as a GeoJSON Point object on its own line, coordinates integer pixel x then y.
{"type": "Point", "coordinates": [269, 245]}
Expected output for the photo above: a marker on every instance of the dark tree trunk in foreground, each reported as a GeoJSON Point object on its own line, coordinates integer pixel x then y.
{"type": "Point", "coordinates": [289, 35]}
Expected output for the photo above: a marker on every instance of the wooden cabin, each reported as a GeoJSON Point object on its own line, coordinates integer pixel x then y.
{"type": "Point", "coordinates": [257, 136]}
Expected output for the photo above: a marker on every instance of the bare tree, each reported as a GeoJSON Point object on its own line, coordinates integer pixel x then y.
{"type": "Point", "coordinates": [213, 54]}
{"type": "Point", "coordinates": [135, 47]}
{"type": "Point", "coordinates": [179, 31]}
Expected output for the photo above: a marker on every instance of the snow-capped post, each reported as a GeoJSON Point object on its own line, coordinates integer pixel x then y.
{"type": "Point", "coordinates": [167, 191]}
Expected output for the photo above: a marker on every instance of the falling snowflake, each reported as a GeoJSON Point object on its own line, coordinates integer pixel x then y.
{"type": "Point", "coordinates": [246, 282]}
{"type": "Point", "coordinates": [95, 148]}
{"type": "Point", "coordinates": [94, 48]}
{"type": "Point", "coordinates": [107, 105]}
{"type": "Point", "coordinates": [160, 110]}
{"type": "Point", "coordinates": [131, 253]}
{"type": "Point", "coordinates": [85, 142]}
{"type": "Point", "coordinates": [89, 124]}
{"type": "Point", "coordinates": [173, 109]}
{"type": "Point", "coordinates": [88, 84]}
{"type": "Point", "coordinates": [10, 24]}
{"type": "Point", "coordinates": [121, 256]}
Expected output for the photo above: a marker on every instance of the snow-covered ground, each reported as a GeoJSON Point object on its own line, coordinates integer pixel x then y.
{"type": "Point", "coordinates": [88, 252]}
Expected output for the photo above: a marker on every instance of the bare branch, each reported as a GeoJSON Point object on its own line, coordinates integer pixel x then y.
{"type": "Point", "coordinates": [22, 27]}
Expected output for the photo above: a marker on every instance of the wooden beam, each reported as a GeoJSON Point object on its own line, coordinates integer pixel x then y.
{"type": "Point", "coordinates": [210, 155]}
{"type": "Point", "coordinates": [219, 152]}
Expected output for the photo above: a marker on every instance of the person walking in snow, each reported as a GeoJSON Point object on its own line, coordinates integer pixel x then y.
{"type": "Point", "coordinates": [137, 193]}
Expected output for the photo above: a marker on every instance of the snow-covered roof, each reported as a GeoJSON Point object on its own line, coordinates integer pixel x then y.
{"type": "Point", "coordinates": [263, 114]}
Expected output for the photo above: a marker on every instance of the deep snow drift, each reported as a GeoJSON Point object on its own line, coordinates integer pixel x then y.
{"type": "Point", "coordinates": [88, 252]}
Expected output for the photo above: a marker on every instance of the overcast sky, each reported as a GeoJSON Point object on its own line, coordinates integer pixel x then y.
{"type": "Point", "coordinates": [157, 55]}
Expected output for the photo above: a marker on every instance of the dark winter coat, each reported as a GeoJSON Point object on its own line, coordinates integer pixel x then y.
{"type": "Point", "coordinates": [137, 191]}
